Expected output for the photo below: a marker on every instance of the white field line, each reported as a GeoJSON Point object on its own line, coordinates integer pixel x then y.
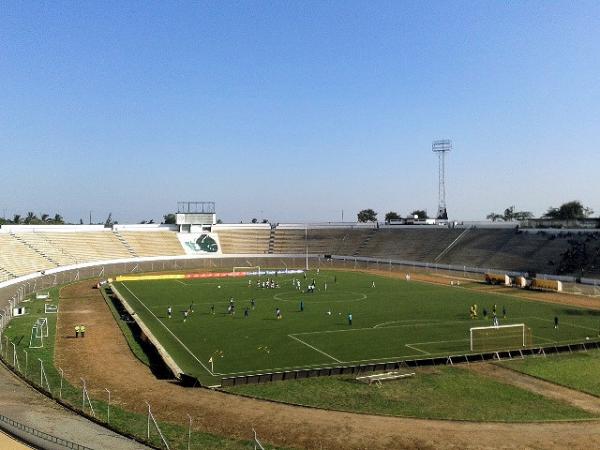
{"type": "Point", "coordinates": [566, 324]}
{"type": "Point", "coordinates": [314, 348]}
{"type": "Point", "coordinates": [402, 325]}
{"type": "Point", "coordinates": [417, 349]}
{"type": "Point", "coordinates": [543, 339]}
{"type": "Point", "coordinates": [167, 328]}
{"type": "Point", "coordinates": [181, 282]}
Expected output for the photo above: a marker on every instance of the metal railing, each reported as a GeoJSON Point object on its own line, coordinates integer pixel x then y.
{"type": "Point", "coordinates": [40, 434]}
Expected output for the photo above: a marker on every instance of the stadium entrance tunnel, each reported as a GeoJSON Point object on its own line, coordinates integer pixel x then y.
{"type": "Point", "coordinates": [157, 365]}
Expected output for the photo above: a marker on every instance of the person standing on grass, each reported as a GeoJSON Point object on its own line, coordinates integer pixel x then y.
{"type": "Point", "coordinates": [246, 312]}
{"type": "Point", "coordinates": [169, 312]}
{"type": "Point", "coordinates": [503, 312]}
{"type": "Point", "coordinates": [76, 331]}
{"type": "Point", "coordinates": [372, 284]}
{"type": "Point", "coordinates": [253, 304]}
{"type": "Point", "coordinates": [82, 330]}
{"type": "Point", "coordinates": [301, 305]}
{"type": "Point", "coordinates": [212, 310]}
{"type": "Point", "coordinates": [556, 322]}
{"type": "Point", "coordinates": [278, 314]}
{"type": "Point", "coordinates": [350, 319]}
{"type": "Point", "coordinates": [185, 316]}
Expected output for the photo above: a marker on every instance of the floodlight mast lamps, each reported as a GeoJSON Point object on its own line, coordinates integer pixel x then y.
{"type": "Point", "coordinates": [442, 147]}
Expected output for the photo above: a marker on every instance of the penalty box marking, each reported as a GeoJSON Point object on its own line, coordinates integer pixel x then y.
{"type": "Point", "coordinates": [314, 348]}
{"type": "Point", "coordinates": [167, 328]}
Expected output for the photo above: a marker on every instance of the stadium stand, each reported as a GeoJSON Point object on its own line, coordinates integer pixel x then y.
{"type": "Point", "coordinates": [151, 243]}
{"type": "Point", "coordinates": [411, 244]}
{"type": "Point", "coordinates": [18, 259]}
{"type": "Point", "coordinates": [42, 245]}
{"type": "Point", "coordinates": [24, 251]}
{"type": "Point", "coordinates": [245, 241]}
{"type": "Point", "coordinates": [320, 240]}
{"type": "Point", "coordinates": [88, 246]}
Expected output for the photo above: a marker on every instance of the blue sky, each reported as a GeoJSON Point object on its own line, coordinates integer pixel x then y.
{"type": "Point", "coordinates": [295, 111]}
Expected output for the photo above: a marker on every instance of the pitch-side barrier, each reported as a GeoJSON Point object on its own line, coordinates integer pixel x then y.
{"type": "Point", "coordinates": [467, 358]}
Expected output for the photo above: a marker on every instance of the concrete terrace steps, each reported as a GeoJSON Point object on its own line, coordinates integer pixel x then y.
{"type": "Point", "coordinates": [37, 250]}
{"type": "Point", "coordinates": [125, 243]}
{"type": "Point", "coordinates": [365, 241]}
{"type": "Point", "coordinates": [272, 241]}
{"type": "Point", "coordinates": [40, 244]}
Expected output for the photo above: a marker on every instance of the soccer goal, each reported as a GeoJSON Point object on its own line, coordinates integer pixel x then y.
{"type": "Point", "coordinates": [50, 309]}
{"type": "Point", "coordinates": [502, 337]}
{"type": "Point", "coordinates": [239, 269]}
{"type": "Point", "coordinates": [39, 332]}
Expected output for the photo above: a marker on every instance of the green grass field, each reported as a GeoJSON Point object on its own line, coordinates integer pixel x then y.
{"type": "Point", "coordinates": [435, 393]}
{"type": "Point", "coordinates": [394, 320]}
{"type": "Point", "coordinates": [578, 371]}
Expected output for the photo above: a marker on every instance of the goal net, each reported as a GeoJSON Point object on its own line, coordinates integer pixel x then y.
{"type": "Point", "coordinates": [39, 332]}
{"type": "Point", "coordinates": [50, 309]}
{"type": "Point", "coordinates": [255, 270]}
{"type": "Point", "coordinates": [502, 337]}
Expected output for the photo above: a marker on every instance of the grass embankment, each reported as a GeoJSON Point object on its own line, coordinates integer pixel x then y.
{"type": "Point", "coordinates": [123, 421]}
{"type": "Point", "coordinates": [439, 393]}
{"type": "Point", "coordinates": [578, 371]}
{"type": "Point", "coordinates": [132, 342]}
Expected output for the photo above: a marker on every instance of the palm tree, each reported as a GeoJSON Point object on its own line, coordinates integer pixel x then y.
{"type": "Point", "coordinates": [494, 216]}
{"type": "Point", "coordinates": [30, 217]}
{"type": "Point", "coordinates": [45, 217]}
{"type": "Point", "coordinates": [58, 219]}
{"type": "Point", "coordinates": [16, 219]}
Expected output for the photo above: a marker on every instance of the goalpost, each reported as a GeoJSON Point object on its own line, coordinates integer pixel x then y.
{"type": "Point", "coordinates": [501, 337]}
{"type": "Point", "coordinates": [239, 269]}
{"type": "Point", "coordinates": [39, 331]}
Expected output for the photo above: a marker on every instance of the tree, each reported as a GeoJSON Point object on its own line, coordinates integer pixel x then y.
{"type": "Point", "coordinates": [420, 213]}
{"type": "Point", "coordinates": [494, 216]}
{"type": "Point", "coordinates": [45, 217]}
{"type": "Point", "coordinates": [31, 217]}
{"type": "Point", "coordinates": [392, 216]}
{"type": "Point", "coordinates": [219, 221]}
{"type": "Point", "coordinates": [58, 219]}
{"type": "Point", "coordinates": [254, 220]}
{"type": "Point", "coordinates": [16, 219]}
{"type": "Point", "coordinates": [367, 215]}
{"type": "Point", "coordinates": [170, 219]}
{"type": "Point", "coordinates": [509, 214]}
{"type": "Point", "coordinates": [523, 215]}
{"type": "Point", "coordinates": [569, 211]}
{"type": "Point", "coordinates": [265, 221]}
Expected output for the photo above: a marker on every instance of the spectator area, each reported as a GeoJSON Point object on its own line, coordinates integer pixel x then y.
{"type": "Point", "coordinates": [23, 252]}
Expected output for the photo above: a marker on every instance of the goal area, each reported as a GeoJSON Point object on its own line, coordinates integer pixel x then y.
{"type": "Point", "coordinates": [501, 337]}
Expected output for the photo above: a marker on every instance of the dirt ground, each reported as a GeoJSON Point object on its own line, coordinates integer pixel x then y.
{"type": "Point", "coordinates": [105, 361]}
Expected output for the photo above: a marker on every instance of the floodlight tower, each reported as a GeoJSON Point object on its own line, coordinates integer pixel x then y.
{"type": "Point", "coordinates": [441, 147]}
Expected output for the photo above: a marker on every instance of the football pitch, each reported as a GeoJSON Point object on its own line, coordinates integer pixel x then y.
{"type": "Point", "coordinates": [394, 320]}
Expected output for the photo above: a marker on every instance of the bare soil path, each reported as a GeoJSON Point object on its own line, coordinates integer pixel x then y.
{"type": "Point", "coordinates": [578, 399]}
{"type": "Point", "coordinates": [104, 360]}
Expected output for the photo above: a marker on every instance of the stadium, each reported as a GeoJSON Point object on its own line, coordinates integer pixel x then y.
{"type": "Point", "coordinates": [321, 225]}
{"type": "Point", "coordinates": [323, 314]}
